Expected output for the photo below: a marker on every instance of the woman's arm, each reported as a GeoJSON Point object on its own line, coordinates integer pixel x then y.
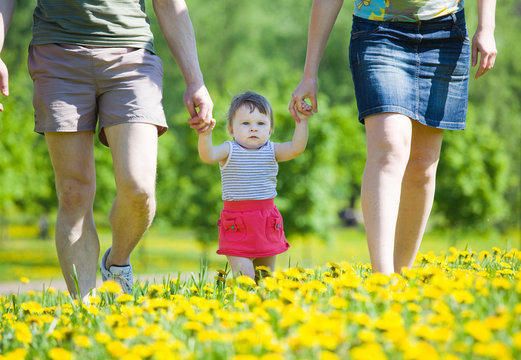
{"type": "Point", "coordinates": [322, 18]}
{"type": "Point", "coordinates": [483, 41]}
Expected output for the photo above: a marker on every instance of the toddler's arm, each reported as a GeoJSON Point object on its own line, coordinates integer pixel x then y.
{"type": "Point", "coordinates": [207, 152]}
{"type": "Point", "coordinates": [291, 149]}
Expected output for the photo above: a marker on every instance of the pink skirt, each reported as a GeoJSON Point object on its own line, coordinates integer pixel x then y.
{"type": "Point", "coordinates": [251, 228]}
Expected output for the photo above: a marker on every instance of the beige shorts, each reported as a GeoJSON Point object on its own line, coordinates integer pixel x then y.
{"type": "Point", "coordinates": [76, 85]}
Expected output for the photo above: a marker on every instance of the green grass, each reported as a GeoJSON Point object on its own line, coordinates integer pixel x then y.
{"type": "Point", "coordinates": [178, 251]}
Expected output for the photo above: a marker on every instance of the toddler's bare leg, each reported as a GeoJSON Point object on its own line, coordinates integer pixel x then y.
{"type": "Point", "coordinates": [241, 266]}
{"type": "Point", "coordinates": [268, 261]}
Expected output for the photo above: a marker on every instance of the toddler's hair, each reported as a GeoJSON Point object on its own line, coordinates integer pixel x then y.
{"type": "Point", "coordinates": [253, 101]}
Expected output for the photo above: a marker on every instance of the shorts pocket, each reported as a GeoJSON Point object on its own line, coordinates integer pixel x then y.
{"type": "Point", "coordinates": [363, 27]}
{"type": "Point", "coordinates": [274, 227]}
{"type": "Point", "coordinates": [231, 227]}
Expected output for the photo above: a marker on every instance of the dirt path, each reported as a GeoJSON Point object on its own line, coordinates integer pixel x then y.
{"type": "Point", "coordinates": [18, 287]}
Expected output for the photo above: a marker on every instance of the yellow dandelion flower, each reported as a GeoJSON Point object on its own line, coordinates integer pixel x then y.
{"type": "Point", "coordinates": [337, 302]}
{"type": "Point", "coordinates": [360, 318]}
{"type": "Point", "coordinates": [389, 320]}
{"type": "Point", "coordinates": [126, 332]}
{"type": "Point", "coordinates": [450, 357]}
{"type": "Point", "coordinates": [246, 280]}
{"type": "Point", "coordinates": [327, 355]}
{"type": "Point", "coordinates": [102, 338]}
{"type": "Point", "coordinates": [245, 357]}
{"type": "Point", "coordinates": [263, 268]}
{"type": "Point", "coordinates": [413, 307]}
{"type": "Point", "coordinates": [372, 351]}
{"type": "Point", "coordinates": [141, 350]}
{"type": "Point", "coordinates": [328, 341]}
{"type": "Point", "coordinates": [463, 296]}
{"type": "Point", "coordinates": [123, 298]}
{"type": "Point", "coordinates": [208, 335]}
{"type": "Point", "coordinates": [82, 341]}
{"type": "Point", "coordinates": [22, 333]}
{"type": "Point", "coordinates": [497, 322]}
{"type": "Point", "coordinates": [111, 286]}
{"type": "Point", "coordinates": [496, 250]}
{"type": "Point", "coordinates": [32, 307]}
{"type": "Point", "coordinates": [294, 273]}
{"type": "Point", "coordinates": [478, 330]}
{"type": "Point", "coordinates": [60, 354]}
{"type": "Point", "coordinates": [24, 279]}
{"type": "Point", "coordinates": [271, 357]}
{"type": "Point", "coordinates": [421, 351]}
{"type": "Point", "coordinates": [155, 290]}
{"type": "Point", "coordinates": [193, 326]}
{"type": "Point", "coordinates": [501, 283]}
{"type": "Point", "coordinates": [367, 336]}
{"type": "Point", "coordinates": [516, 338]}
{"type": "Point", "coordinates": [17, 354]}
{"type": "Point", "coordinates": [131, 356]}
{"type": "Point", "coordinates": [495, 350]}
{"type": "Point", "coordinates": [117, 349]}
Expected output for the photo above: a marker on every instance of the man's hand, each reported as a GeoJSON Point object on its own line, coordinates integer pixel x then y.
{"type": "Point", "coordinates": [4, 81]}
{"type": "Point", "coordinates": [200, 106]}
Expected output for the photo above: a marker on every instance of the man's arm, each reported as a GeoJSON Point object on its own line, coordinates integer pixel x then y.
{"type": "Point", "coordinates": [6, 14]}
{"type": "Point", "coordinates": [322, 18]}
{"type": "Point", "coordinates": [178, 31]}
{"type": "Point", "coordinates": [483, 41]}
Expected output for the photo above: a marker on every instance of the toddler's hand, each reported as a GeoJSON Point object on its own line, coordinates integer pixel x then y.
{"type": "Point", "coordinates": [209, 129]}
{"type": "Point", "coordinates": [305, 110]}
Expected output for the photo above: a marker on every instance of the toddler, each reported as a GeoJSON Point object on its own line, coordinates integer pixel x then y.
{"type": "Point", "coordinates": [251, 232]}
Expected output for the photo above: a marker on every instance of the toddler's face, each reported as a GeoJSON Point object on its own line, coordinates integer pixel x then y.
{"type": "Point", "coordinates": [251, 130]}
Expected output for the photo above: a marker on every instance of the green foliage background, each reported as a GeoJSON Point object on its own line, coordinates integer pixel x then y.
{"type": "Point", "coordinates": [261, 46]}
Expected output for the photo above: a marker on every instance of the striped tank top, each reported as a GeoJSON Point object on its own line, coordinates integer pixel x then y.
{"type": "Point", "coordinates": [249, 174]}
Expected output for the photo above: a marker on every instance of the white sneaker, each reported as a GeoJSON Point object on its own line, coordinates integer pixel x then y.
{"type": "Point", "coordinates": [120, 274]}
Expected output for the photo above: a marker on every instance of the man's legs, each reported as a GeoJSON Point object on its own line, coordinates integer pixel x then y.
{"type": "Point", "coordinates": [72, 156]}
{"type": "Point", "coordinates": [417, 194]}
{"type": "Point", "coordinates": [134, 153]}
{"type": "Point", "coordinates": [388, 148]}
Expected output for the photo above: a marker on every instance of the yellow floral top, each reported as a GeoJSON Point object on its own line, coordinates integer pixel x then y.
{"type": "Point", "coordinates": [405, 10]}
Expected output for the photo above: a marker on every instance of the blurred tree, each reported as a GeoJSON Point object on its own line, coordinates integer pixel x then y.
{"type": "Point", "coordinates": [473, 177]}
{"type": "Point", "coordinates": [261, 46]}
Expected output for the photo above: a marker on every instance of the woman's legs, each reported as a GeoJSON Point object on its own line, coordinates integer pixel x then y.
{"type": "Point", "coordinates": [388, 148]}
{"type": "Point", "coordinates": [398, 187]}
{"type": "Point", "coordinates": [417, 194]}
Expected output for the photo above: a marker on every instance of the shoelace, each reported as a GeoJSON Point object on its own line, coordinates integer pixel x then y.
{"type": "Point", "coordinates": [122, 280]}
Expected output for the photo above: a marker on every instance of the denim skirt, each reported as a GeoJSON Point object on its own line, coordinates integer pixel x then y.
{"type": "Point", "coordinates": [418, 69]}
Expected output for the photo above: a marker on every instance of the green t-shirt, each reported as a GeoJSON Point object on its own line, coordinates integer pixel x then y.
{"type": "Point", "coordinates": [405, 10]}
{"type": "Point", "coordinates": [104, 23]}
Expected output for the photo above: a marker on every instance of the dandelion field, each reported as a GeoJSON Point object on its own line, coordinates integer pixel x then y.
{"type": "Point", "coordinates": [453, 305]}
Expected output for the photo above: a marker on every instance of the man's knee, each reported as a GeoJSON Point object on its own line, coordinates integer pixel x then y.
{"type": "Point", "coordinates": [75, 194]}
{"type": "Point", "coordinates": [139, 195]}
